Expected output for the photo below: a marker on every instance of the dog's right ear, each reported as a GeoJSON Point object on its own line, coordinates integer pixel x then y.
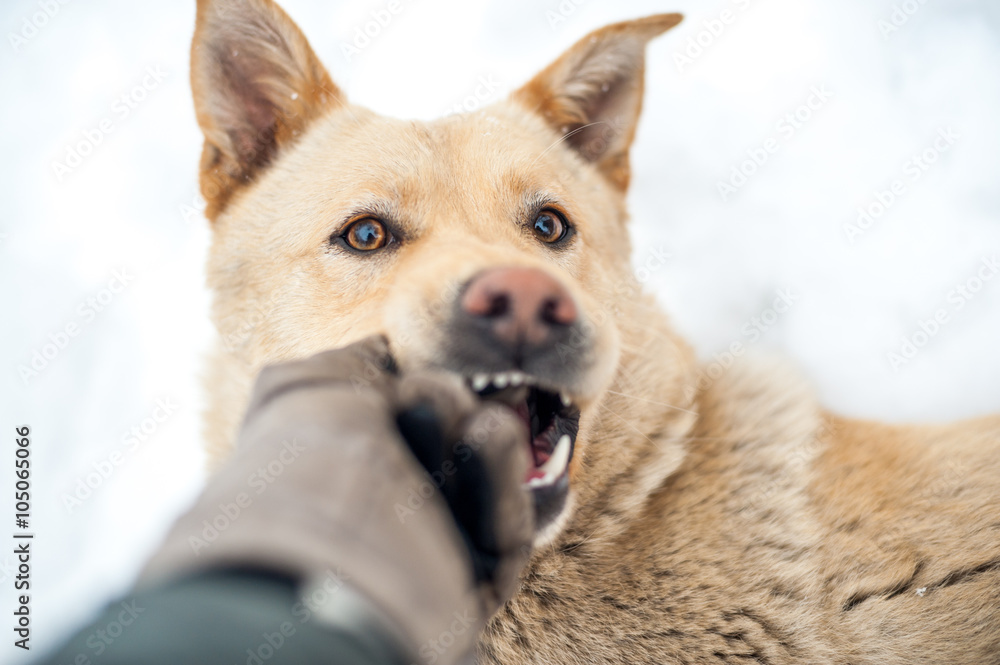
{"type": "Point", "coordinates": [257, 84]}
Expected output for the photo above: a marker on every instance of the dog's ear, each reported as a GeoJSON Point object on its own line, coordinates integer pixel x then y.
{"type": "Point", "coordinates": [257, 84]}
{"type": "Point", "coordinates": [592, 94]}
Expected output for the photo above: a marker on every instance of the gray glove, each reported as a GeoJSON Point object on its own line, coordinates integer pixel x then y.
{"type": "Point", "coordinates": [409, 488]}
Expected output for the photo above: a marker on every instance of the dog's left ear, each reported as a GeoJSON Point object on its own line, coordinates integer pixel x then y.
{"type": "Point", "coordinates": [592, 94]}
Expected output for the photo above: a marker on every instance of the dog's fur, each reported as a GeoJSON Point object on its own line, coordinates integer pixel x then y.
{"type": "Point", "coordinates": [734, 523]}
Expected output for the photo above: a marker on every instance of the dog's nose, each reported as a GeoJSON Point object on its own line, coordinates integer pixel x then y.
{"type": "Point", "coordinates": [521, 305]}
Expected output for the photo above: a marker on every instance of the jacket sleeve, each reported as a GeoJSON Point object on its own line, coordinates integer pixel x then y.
{"type": "Point", "coordinates": [227, 618]}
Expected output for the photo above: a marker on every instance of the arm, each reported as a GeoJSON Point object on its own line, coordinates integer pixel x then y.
{"type": "Point", "coordinates": [404, 490]}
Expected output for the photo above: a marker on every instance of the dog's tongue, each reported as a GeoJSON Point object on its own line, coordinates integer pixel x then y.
{"type": "Point", "coordinates": [538, 453]}
{"type": "Point", "coordinates": [534, 473]}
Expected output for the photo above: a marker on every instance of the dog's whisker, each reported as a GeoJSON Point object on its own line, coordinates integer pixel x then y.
{"type": "Point", "coordinates": [566, 136]}
{"type": "Point", "coordinates": [630, 425]}
{"type": "Point", "coordinates": [643, 399]}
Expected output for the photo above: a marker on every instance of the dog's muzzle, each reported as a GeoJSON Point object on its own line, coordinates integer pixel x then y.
{"type": "Point", "coordinates": [517, 337]}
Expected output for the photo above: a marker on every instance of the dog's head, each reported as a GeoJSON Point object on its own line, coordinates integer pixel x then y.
{"type": "Point", "coordinates": [492, 244]}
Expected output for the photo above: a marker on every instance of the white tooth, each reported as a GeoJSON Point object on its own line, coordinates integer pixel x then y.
{"type": "Point", "coordinates": [557, 462]}
{"type": "Point", "coordinates": [538, 482]}
{"type": "Point", "coordinates": [516, 378]}
{"type": "Point", "coordinates": [501, 381]}
{"type": "Point", "coordinates": [480, 381]}
{"type": "Point", "coordinates": [565, 399]}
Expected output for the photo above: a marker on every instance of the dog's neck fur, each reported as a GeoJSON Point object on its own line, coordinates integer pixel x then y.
{"type": "Point", "coordinates": [642, 421]}
{"type": "Point", "coordinates": [712, 494]}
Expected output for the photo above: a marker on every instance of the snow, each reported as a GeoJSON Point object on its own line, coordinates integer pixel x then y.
{"type": "Point", "coordinates": [877, 100]}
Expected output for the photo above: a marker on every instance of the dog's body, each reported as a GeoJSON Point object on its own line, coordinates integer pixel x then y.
{"type": "Point", "coordinates": [785, 536]}
{"type": "Point", "coordinates": [725, 521]}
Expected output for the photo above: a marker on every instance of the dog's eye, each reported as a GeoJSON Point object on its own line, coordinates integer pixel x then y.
{"type": "Point", "coordinates": [550, 227]}
{"type": "Point", "coordinates": [367, 235]}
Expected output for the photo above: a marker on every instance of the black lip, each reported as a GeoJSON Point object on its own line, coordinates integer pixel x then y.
{"type": "Point", "coordinates": [563, 423]}
{"type": "Point", "coordinates": [550, 501]}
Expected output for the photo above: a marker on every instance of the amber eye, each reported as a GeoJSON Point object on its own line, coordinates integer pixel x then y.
{"type": "Point", "coordinates": [367, 235]}
{"type": "Point", "coordinates": [550, 227]}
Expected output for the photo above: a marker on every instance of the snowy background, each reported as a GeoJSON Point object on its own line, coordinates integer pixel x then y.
{"type": "Point", "coordinates": [894, 76]}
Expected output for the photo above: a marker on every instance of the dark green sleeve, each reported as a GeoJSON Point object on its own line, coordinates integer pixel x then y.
{"type": "Point", "coordinates": [222, 618]}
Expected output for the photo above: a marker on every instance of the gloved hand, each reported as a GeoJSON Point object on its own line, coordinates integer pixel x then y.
{"type": "Point", "coordinates": [409, 488]}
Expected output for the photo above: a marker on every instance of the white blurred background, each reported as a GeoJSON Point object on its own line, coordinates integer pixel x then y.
{"type": "Point", "coordinates": [894, 75]}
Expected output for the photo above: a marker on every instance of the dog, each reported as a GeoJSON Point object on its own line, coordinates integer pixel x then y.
{"type": "Point", "coordinates": [679, 519]}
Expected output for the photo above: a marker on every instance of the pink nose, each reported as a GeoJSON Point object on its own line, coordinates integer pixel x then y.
{"type": "Point", "coordinates": [522, 305]}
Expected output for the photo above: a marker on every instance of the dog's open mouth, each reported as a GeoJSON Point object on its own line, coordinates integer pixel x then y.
{"type": "Point", "coordinates": [551, 417]}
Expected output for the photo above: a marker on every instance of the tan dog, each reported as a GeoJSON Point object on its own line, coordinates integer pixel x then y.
{"type": "Point", "coordinates": [731, 521]}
